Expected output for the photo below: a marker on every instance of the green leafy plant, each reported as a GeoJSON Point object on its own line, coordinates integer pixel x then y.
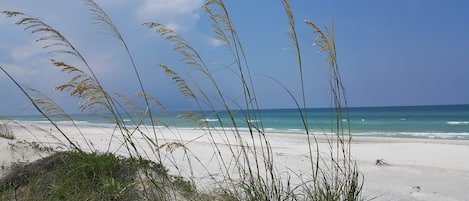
{"type": "Point", "coordinates": [83, 176]}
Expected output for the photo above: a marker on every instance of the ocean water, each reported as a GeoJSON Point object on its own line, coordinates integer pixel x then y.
{"type": "Point", "coordinates": [443, 121]}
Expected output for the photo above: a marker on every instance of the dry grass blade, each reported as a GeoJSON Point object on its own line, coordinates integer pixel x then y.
{"type": "Point", "coordinates": [31, 99]}
{"type": "Point", "coordinates": [192, 58]}
{"type": "Point", "coordinates": [154, 102]}
{"type": "Point", "coordinates": [53, 110]}
{"type": "Point", "coordinates": [221, 24]}
{"type": "Point", "coordinates": [189, 54]}
{"type": "Point", "coordinates": [172, 146]}
{"type": "Point", "coordinates": [179, 81]}
{"type": "Point", "coordinates": [84, 87]}
{"type": "Point", "coordinates": [136, 112]}
{"type": "Point", "coordinates": [129, 103]}
{"type": "Point", "coordinates": [325, 42]}
{"type": "Point", "coordinates": [303, 111]}
{"type": "Point", "coordinates": [51, 37]}
{"type": "Point", "coordinates": [342, 179]}
{"type": "Point", "coordinates": [194, 117]}
{"type": "Point", "coordinates": [101, 18]}
{"type": "Point", "coordinates": [225, 31]}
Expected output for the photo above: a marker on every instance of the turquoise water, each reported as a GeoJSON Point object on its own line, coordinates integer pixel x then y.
{"type": "Point", "coordinates": [444, 121]}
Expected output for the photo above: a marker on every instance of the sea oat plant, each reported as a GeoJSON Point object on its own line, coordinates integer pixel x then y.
{"type": "Point", "coordinates": [250, 172]}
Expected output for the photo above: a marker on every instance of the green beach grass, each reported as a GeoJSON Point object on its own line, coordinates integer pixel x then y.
{"type": "Point", "coordinates": [251, 174]}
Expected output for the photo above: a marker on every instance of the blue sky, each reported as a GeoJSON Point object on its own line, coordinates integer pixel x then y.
{"type": "Point", "coordinates": [389, 52]}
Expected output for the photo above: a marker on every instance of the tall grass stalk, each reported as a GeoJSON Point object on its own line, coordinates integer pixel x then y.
{"type": "Point", "coordinates": [303, 110]}
{"type": "Point", "coordinates": [343, 171]}
{"type": "Point", "coordinates": [101, 18]}
{"type": "Point", "coordinates": [35, 104]}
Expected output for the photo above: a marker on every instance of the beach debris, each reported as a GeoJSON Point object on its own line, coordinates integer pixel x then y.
{"type": "Point", "coordinates": [380, 162]}
{"type": "Point", "coordinates": [416, 189]}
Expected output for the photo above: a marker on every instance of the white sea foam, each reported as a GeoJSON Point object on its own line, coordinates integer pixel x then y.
{"type": "Point", "coordinates": [295, 130]}
{"type": "Point", "coordinates": [270, 129]}
{"type": "Point", "coordinates": [209, 120]}
{"type": "Point", "coordinates": [430, 135]}
{"type": "Point", "coordinates": [457, 122]}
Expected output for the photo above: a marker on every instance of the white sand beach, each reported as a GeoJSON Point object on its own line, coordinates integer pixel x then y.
{"type": "Point", "coordinates": [408, 169]}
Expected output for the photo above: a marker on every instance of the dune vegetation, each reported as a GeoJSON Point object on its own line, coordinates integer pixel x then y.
{"type": "Point", "coordinates": [83, 172]}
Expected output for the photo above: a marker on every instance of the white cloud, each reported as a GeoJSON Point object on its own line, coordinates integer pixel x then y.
{"type": "Point", "coordinates": [19, 71]}
{"type": "Point", "coordinates": [179, 14]}
{"type": "Point", "coordinates": [172, 7]}
{"type": "Point", "coordinates": [26, 52]}
{"type": "Point", "coordinates": [174, 26]}
{"type": "Point", "coordinates": [215, 42]}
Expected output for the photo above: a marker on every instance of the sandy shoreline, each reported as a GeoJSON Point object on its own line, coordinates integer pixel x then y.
{"type": "Point", "coordinates": [412, 169]}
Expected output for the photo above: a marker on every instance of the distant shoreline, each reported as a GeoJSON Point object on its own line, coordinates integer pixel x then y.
{"type": "Point", "coordinates": [449, 122]}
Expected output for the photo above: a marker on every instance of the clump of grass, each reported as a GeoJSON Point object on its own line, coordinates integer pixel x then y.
{"type": "Point", "coordinates": [81, 176]}
{"type": "Point", "coordinates": [6, 132]}
{"type": "Point", "coordinates": [21, 145]}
